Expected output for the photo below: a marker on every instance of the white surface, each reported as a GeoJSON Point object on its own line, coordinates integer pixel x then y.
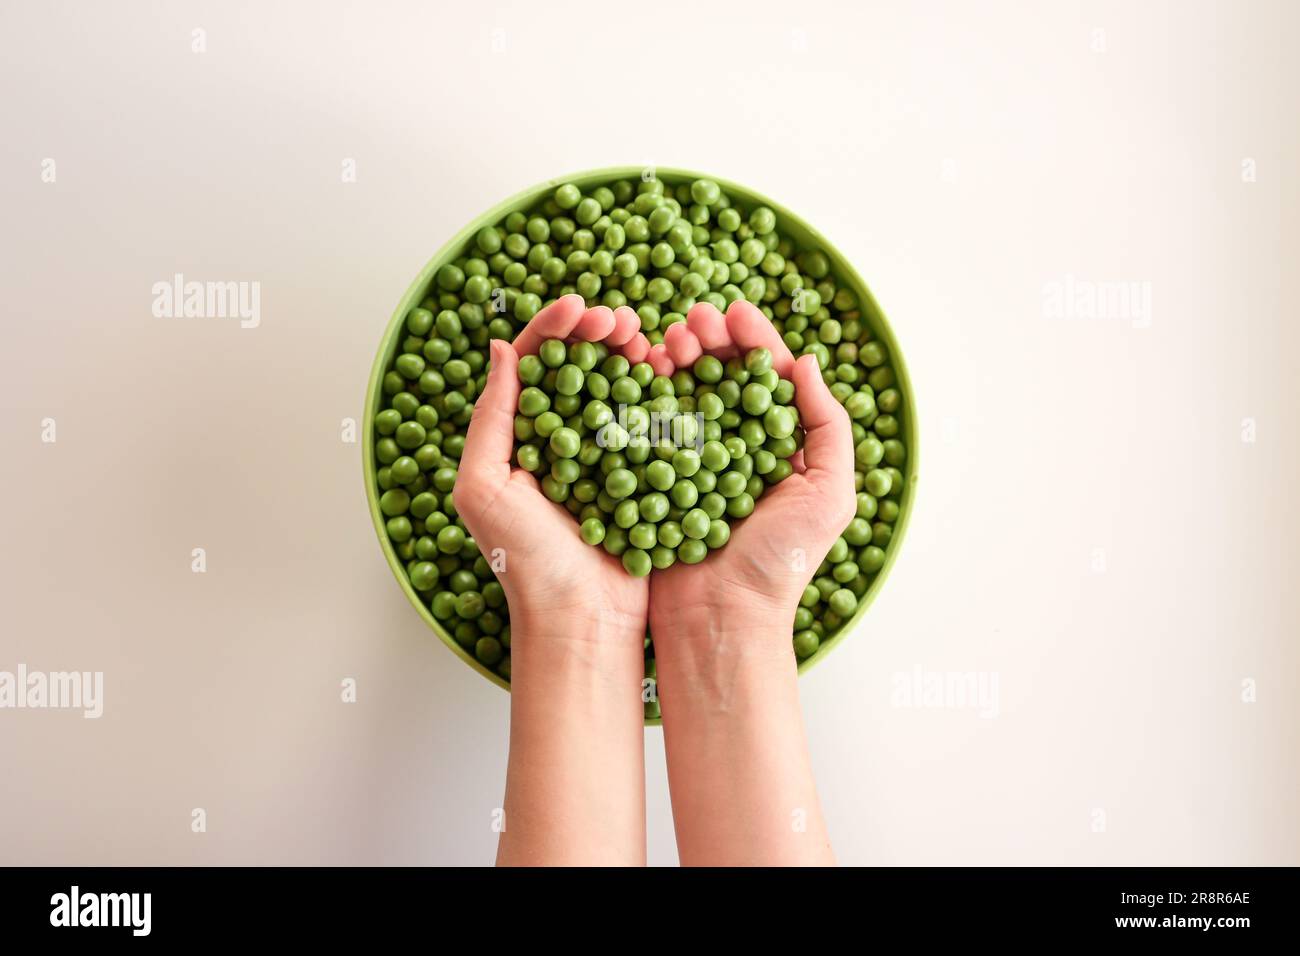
{"type": "Point", "coordinates": [963, 156]}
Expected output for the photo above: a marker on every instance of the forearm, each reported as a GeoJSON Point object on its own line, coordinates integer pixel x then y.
{"type": "Point", "coordinates": [738, 765]}
{"type": "Point", "coordinates": [575, 784]}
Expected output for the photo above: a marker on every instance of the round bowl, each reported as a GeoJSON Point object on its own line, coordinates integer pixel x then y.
{"type": "Point", "coordinates": [790, 224]}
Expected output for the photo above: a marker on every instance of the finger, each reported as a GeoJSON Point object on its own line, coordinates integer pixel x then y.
{"type": "Point", "coordinates": [796, 462]}
{"type": "Point", "coordinates": [751, 329]}
{"type": "Point", "coordinates": [626, 324]}
{"type": "Point", "coordinates": [637, 348]}
{"type": "Point", "coordinates": [828, 437]}
{"type": "Point", "coordinates": [660, 360]}
{"type": "Point", "coordinates": [708, 326]}
{"type": "Point", "coordinates": [490, 442]}
{"type": "Point", "coordinates": [596, 323]}
{"type": "Point", "coordinates": [556, 321]}
{"type": "Point", "coordinates": [683, 347]}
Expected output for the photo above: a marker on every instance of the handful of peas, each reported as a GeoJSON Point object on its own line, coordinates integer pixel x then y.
{"type": "Point", "coordinates": [655, 481]}
{"type": "Point", "coordinates": [585, 415]}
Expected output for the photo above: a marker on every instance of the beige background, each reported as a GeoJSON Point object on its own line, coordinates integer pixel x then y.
{"type": "Point", "coordinates": [1091, 527]}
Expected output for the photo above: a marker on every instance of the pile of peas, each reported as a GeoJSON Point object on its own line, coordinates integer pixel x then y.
{"type": "Point", "coordinates": [655, 482]}
{"type": "Point", "coordinates": [659, 248]}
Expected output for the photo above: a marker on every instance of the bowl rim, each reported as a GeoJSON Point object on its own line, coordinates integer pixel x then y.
{"type": "Point", "coordinates": [840, 266]}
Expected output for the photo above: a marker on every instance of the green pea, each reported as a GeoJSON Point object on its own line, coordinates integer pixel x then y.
{"type": "Point", "coordinates": [805, 644]}
{"type": "Point", "coordinates": [443, 605]}
{"type": "Point", "coordinates": [894, 452]}
{"type": "Point", "coordinates": [637, 562]}
{"type": "Point", "coordinates": [642, 535]}
{"type": "Point", "coordinates": [695, 524]}
{"type": "Point", "coordinates": [662, 557]}
{"type": "Point", "coordinates": [692, 551]}
{"type": "Point", "coordinates": [685, 494]}
{"type": "Point", "coordinates": [405, 470]}
{"type": "Point", "coordinates": [557, 491]}
{"type": "Point", "coordinates": [565, 442]}
{"type": "Point", "coordinates": [566, 471]}
{"type": "Point", "coordinates": [419, 321]}
{"type": "Point", "coordinates": [704, 480]}
{"type": "Point", "coordinates": [410, 435]}
{"type": "Point", "coordinates": [778, 421]}
{"type": "Point", "coordinates": [569, 380]}
{"type": "Point", "coordinates": [469, 605]}
{"type": "Point", "coordinates": [424, 575]}
{"type": "Point", "coordinates": [423, 505]}
{"type": "Point", "coordinates": [654, 506]}
{"type": "Point", "coordinates": [705, 192]}
{"type": "Point", "coordinates": [719, 533]}
{"type": "Point", "coordinates": [552, 353]}
{"type": "Point", "coordinates": [488, 650]}
{"type": "Point", "coordinates": [620, 483]}
{"type": "Point", "coordinates": [660, 475]}
{"type": "Point", "coordinates": [387, 421]}
{"type": "Point", "coordinates": [593, 531]}
{"type": "Point", "coordinates": [567, 196]}
{"type": "Point", "coordinates": [860, 406]}
{"type": "Point", "coordinates": [878, 482]}
{"type": "Point", "coordinates": [713, 505]}
{"type": "Point", "coordinates": [686, 462]}
{"type": "Point", "coordinates": [670, 534]}
{"type": "Point", "coordinates": [741, 506]}
{"type": "Point", "coordinates": [533, 402]}
{"type": "Point", "coordinates": [528, 457]}
{"type": "Point", "coordinates": [858, 532]}
{"type": "Point", "coordinates": [843, 602]}
{"type": "Point", "coordinates": [625, 391]}
{"type": "Point", "coordinates": [869, 452]}
{"type": "Point", "coordinates": [756, 399]}
{"type": "Point", "coordinates": [450, 539]}
{"type": "Point", "coordinates": [457, 372]}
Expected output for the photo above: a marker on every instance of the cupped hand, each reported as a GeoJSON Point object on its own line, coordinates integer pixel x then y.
{"type": "Point", "coordinates": [545, 568]}
{"type": "Point", "coordinates": [755, 582]}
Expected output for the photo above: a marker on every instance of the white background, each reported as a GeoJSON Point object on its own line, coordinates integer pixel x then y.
{"type": "Point", "coordinates": [1090, 527]}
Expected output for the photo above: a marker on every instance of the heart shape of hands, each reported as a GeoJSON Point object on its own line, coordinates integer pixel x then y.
{"type": "Point", "coordinates": [656, 479]}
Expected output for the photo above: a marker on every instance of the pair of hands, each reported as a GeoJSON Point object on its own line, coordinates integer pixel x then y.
{"type": "Point", "coordinates": [755, 580]}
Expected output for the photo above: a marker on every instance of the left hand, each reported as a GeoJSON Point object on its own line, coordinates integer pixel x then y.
{"type": "Point", "coordinates": [549, 572]}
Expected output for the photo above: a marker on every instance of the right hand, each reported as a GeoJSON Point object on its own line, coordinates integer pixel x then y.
{"type": "Point", "coordinates": [756, 581]}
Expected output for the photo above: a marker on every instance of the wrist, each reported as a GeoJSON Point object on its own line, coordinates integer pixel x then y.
{"type": "Point", "coordinates": [588, 648]}
{"type": "Point", "coordinates": [727, 629]}
{"type": "Point", "coordinates": [727, 666]}
{"type": "Point", "coordinates": [568, 618]}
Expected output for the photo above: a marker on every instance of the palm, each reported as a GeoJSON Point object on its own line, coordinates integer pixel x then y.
{"type": "Point", "coordinates": [563, 572]}
{"type": "Point", "coordinates": [766, 563]}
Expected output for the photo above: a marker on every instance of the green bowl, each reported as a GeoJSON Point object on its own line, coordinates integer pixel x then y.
{"type": "Point", "coordinates": [804, 235]}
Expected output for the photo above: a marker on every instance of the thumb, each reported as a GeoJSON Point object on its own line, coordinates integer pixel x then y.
{"type": "Point", "coordinates": [490, 442]}
{"type": "Point", "coordinates": [828, 438]}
